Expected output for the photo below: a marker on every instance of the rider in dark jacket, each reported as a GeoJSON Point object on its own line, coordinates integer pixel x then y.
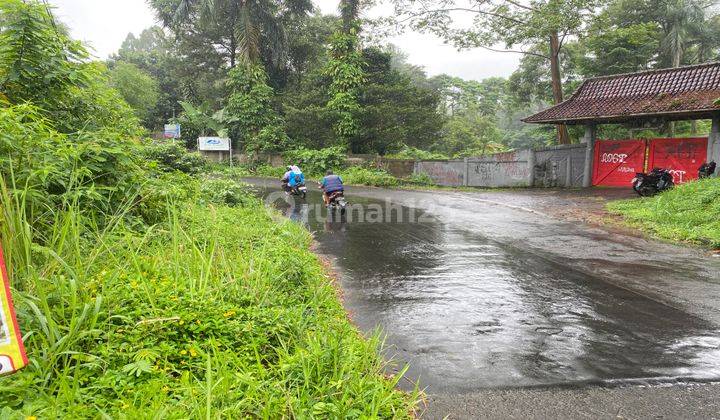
{"type": "Point", "coordinates": [331, 184]}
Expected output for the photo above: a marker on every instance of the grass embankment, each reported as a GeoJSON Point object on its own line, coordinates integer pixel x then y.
{"type": "Point", "coordinates": [221, 312]}
{"type": "Point", "coordinates": [144, 293]}
{"type": "Point", "coordinates": [689, 212]}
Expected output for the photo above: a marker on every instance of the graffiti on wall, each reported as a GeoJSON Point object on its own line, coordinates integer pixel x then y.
{"type": "Point", "coordinates": [513, 170]}
{"type": "Point", "coordinates": [444, 173]}
{"type": "Point", "coordinates": [502, 169]}
{"type": "Point", "coordinates": [617, 161]}
{"type": "Point", "coordinates": [682, 157]}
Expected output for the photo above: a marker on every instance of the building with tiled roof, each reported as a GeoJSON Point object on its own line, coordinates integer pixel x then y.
{"type": "Point", "coordinates": [681, 93]}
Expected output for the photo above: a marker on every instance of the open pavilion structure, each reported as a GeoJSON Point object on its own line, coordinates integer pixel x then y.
{"type": "Point", "coordinates": [642, 99]}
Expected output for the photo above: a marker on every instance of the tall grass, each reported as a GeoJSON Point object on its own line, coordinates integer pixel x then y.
{"type": "Point", "coordinates": [218, 312]}
{"type": "Point", "coordinates": [689, 212]}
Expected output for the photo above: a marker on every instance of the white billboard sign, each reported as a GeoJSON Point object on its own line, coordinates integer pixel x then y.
{"type": "Point", "coordinates": [214, 143]}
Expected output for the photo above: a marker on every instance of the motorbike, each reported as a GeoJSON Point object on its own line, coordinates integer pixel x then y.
{"type": "Point", "coordinates": [649, 184]}
{"type": "Point", "coordinates": [299, 190]}
{"type": "Point", "coordinates": [707, 170]}
{"type": "Point", "coordinates": [337, 202]}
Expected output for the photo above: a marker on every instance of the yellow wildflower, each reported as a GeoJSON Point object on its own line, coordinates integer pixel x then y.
{"type": "Point", "coordinates": [183, 352]}
{"type": "Point", "coordinates": [193, 353]}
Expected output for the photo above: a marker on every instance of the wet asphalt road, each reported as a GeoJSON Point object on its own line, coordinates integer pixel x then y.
{"type": "Point", "coordinates": [481, 293]}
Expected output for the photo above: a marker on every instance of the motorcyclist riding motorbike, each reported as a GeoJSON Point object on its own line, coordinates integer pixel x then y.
{"type": "Point", "coordinates": [293, 180]}
{"type": "Point", "coordinates": [332, 185]}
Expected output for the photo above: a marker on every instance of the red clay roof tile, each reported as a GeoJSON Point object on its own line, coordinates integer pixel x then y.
{"type": "Point", "coordinates": [672, 93]}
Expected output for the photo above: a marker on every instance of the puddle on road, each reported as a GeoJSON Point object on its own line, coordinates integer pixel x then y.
{"type": "Point", "coordinates": [467, 313]}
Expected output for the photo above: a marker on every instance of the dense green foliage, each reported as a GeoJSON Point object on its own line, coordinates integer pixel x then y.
{"type": "Point", "coordinates": [38, 63]}
{"type": "Point", "coordinates": [171, 157]}
{"type": "Point", "coordinates": [254, 124]}
{"type": "Point", "coordinates": [317, 161]}
{"type": "Point", "coordinates": [41, 65]}
{"type": "Point", "coordinates": [95, 171]}
{"type": "Point", "coordinates": [345, 69]}
{"type": "Point", "coordinates": [147, 285]}
{"type": "Point", "coordinates": [137, 87]}
{"type": "Point", "coordinates": [689, 212]}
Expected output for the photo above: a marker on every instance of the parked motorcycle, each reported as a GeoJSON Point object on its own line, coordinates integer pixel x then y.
{"type": "Point", "coordinates": [706, 170]}
{"type": "Point", "coordinates": [337, 202]}
{"type": "Point", "coordinates": [649, 184]}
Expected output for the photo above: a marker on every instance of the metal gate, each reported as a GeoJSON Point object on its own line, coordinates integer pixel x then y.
{"type": "Point", "coordinates": [617, 161]}
{"type": "Point", "coordinates": [682, 157]}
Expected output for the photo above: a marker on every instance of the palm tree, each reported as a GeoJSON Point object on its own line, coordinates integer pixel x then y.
{"type": "Point", "coordinates": [252, 26]}
{"type": "Point", "coordinates": [682, 18]}
{"type": "Point", "coordinates": [684, 21]}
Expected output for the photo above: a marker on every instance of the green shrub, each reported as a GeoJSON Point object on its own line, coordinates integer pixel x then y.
{"type": "Point", "coordinates": [224, 191]}
{"type": "Point", "coordinates": [160, 191]}
{"type": "Point", "coordinates": [41, 65]}
{"type": "Point", "coordinates": [174, 157]}
{"type": "Point", "coordinates": [372, 177]}
{"type": "Point", "coordinates": [224, 170]}
{"type": "Point", "coordinates": [268, 171]}
{"type": "Point", "coordinates": [417, 154]}
{"type": "Point", "coordinates": [317, 162]}
{"type": "Point", "coordinates": [688, 212]}
{"type": "Point", "coordinates": [421, 179]}
{"type": "Point", "coordinates": [96, 170]}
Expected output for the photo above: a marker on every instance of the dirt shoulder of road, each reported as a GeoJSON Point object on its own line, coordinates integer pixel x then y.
{"type": "Point", "coordinates": [590, 206]}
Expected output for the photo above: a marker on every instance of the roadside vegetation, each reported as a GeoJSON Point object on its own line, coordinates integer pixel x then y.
{"type": "Point", "coordinates": [689, 212]}
{"type": "Point", "coordinates": [147, 284]}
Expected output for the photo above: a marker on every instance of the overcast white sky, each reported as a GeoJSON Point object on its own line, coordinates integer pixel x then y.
{"type": "Point", "coordinates": [104, 24]}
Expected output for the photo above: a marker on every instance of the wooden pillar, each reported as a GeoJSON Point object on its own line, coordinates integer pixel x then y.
{"type": "Point", "coordinates": [713, 147]}
{"type": "Point", "coordinates": [589, 139]}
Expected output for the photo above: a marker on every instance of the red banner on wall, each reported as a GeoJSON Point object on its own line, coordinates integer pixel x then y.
{"type": "Point", "coordinates": [617, 162]}
{"type": "Point", "coordinates": [682, 157]}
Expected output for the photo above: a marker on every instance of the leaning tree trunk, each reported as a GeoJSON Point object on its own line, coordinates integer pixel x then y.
{"type": "Point", "coordinates": [562, 133]}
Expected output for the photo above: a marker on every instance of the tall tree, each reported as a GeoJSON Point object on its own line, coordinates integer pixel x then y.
{"type": "Point", "coordinates": [156, 52]}
{"type": "Point", "coordinates": [138, 89]}
{"type": "Point", "coordinates": [682, 20]}
{"type": "Point", "coordinates": [345, 68]}
{"type": "Point", "coordinates": [244, 30]}
{"type": "Point", "coordinates": [537, 28]}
